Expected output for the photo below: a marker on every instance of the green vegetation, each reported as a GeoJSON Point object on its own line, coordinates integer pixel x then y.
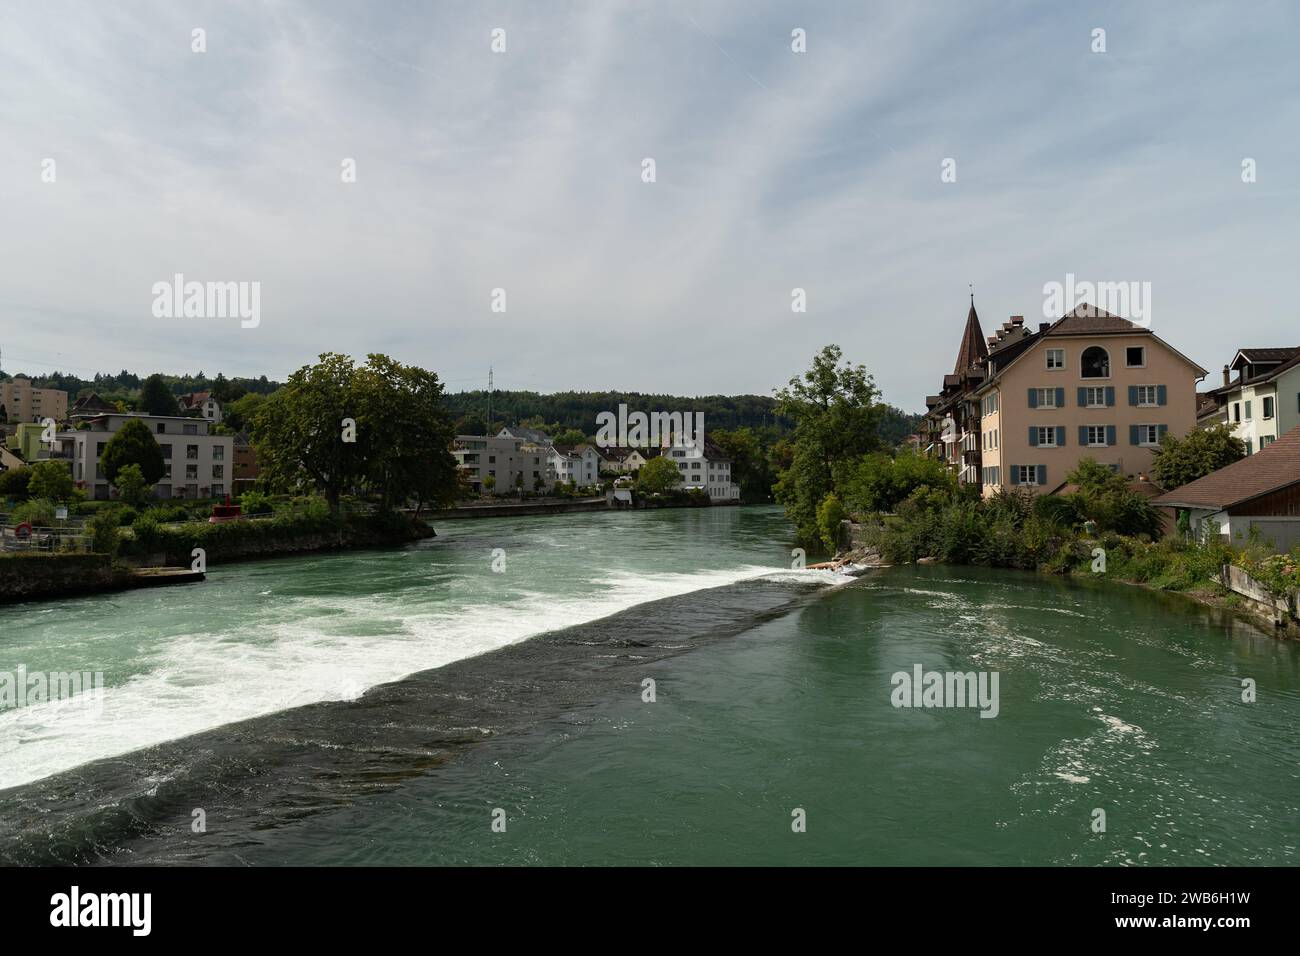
{"type": "Point", "coordinates": [836, 415]}
{"type": "Point", "coordinates": [51, 479]}
{"type": "Point", "coordinates": [156, 398]}
{"type": "Point", "coordinates": [335, 427]}
{"type": "Point", "coordinates": [133, 444]}
{"type": "Point", "coordinates": [15, 484]}
{"type": "Point", "coordinates": [1181, 460]}
{"type": "Point", "coordinates": [132, 487]}
{"type": "Point", "coordinates": [658, 476]}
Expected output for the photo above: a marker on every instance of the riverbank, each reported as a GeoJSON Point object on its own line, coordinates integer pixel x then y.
{"type": "Point", "coordinates": [151, 548]}
{"type": "Point", "coordinates": [522, 508]}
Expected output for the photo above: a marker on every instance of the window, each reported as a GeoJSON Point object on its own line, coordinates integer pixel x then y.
{"type": "Point", "coordinates": [1096, 436]}
{"type": "Point", "coordinates": [1265, 441]}
{"type": "Point", "coordinates": [1268, 406]}
{"type": "Point", "coordinates": [218, 490]}
{"type": "Point", "coordinates": [1236, 411]}
{"type": "Point", "coordinates": [162, 428]}
{"type": "Point", "coordinates": [1095, 363]}
{"type": "Point", "coordinates": [218, 471]}
{"type": "Point", "coordinates": [1147, 395]}
{"type": "Point", "coordinates": [189, 429]}
{"type": "Point", "coordinates": [1094, 397]}
{"type": "Point", "coordinates": [191, 451]}
{"type": "Point", "coordinates": [1148, 434]}
{"type": "Point", "coordinates": [1047, 435]}
{"type": "Point", "coordinates": [1135, 356]}
{"type": "Point", "coordinates": [192, 472]}
{"type": "Point", "coordinates": [1056, 358]}
{"type": "Point", "coordinates": [1027, 474]}
{"type": "Point", "coordinates": [492, 459]}
{"type": "Point", "coordinates": [218, 452]}
{"type": "Point", "coordinates": [1247, 411]}
{"type": "Point", "coordinates": [167, 471]}
{"type": "Point", "coordinates": [166, 450]}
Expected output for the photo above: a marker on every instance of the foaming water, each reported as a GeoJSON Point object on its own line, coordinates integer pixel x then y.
{"type": "Point", "coordinates": [331, 627]}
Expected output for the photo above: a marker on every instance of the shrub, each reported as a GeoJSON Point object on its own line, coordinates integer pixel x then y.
{"type": "Point", "coordinates": [103, 529]}
{"type": "Point", "coordinates": [255, 503]}
{"type": "Point", "coordinates": [829, 515]}
{"type": "Point", "coordinates": [38, 512]}
{"type": "Point", "coordinates": [16, 483]}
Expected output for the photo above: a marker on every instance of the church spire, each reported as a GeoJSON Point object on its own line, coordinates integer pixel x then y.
{"type": "Point", "coordinates": [973, 347]}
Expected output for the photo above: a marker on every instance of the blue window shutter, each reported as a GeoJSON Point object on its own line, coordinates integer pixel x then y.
{"type": "Point", "coordinates": [1060, 435]}
{"type": "Point", "coordinates": [1111, 437]}
{"type": "Point", "coordinates": [1110, 394]}
{"type": "Point", "coordinates": [1083, 396]}
{"type": "Point", "coordinates": [1162, 394]}
{"type": "Point", "coordinates": [1042, 475]}
{"type": "Point", "coordinates": [1132, 434]}
{"type": "Point", "coordinates": [1160, 431]}
{"type": "Point", "coordinates": [1060, 398]}
{"type": "Point", "coordinates": [1132, 394]}
{"type": "Point", "coordinates": [1033, 398]}
{"type": "Point", "coordinates": [1033, 435]}
{"type": "Point", "coordinates": [1083, 435]}
{"type": "Point", "coordinates": [1015, 474]}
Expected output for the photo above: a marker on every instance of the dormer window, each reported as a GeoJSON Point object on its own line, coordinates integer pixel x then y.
{"type": "Point", "coordinates": [1095, 363]}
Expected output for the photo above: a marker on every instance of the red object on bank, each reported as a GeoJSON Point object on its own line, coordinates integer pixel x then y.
{"type": "Point", "coordinates": [226, 512]}
{"type": "Point", "coordinates": [22, 531]}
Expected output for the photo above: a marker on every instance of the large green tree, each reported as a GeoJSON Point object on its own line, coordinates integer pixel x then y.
{"type": "Point", "coordinates": [133, 444]}
{"type": "Point", "coordinates": [749, 464]}
{"type": "Point", "coordinates": [836, 414]}
{"type": "Point", "coordinates": [1181, 460]}
{"type": "Point", "coordinates": [336, 427]}
{"type": "Point", "coordinates": [156, 398]}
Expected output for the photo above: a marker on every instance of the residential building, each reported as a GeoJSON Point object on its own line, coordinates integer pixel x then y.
{"type": "Point", "coordinates": [532, 436]}
{"type": "Point", "coordinates": [202, 402]}
{"type": "Point", "coordinates": [512, 463]}
{"type": "Point", "coordinates": [636, 458]}
{"type": "Point", "coordinates": [197, 464]}
{"type": "Point", "coordinates": [92, 404]}
{"type": "Point", "coordinates": [704, 465]}
{"type": "Point", "coordinates": [1090, 385]}
{"type": "Point", "coordinates": [1262, 401]}
{"type": "Point", "coordinates": [952, 416]}
{"type": "Point", "coordinates": [579, 464]}
{"type": "Point", "coordinates": [26, 441]}
{"type": "Point", "coordinates": [1260, 492]}
{"type": "Point", "coordinates": [22, 403]}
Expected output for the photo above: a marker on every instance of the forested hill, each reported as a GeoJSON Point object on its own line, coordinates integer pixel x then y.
{"type": "Point", "coordinates": [578, 410]}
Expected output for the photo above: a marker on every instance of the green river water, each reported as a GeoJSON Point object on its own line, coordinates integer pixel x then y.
{"type": "Point", "coordinates": [386, 707]}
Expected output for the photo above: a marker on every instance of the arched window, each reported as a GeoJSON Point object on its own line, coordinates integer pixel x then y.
{"type": "Point", "coordinates": [1095, 362]}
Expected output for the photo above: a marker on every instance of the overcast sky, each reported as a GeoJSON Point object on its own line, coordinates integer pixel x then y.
{"type": "Point", "coordinates": [523, 171]}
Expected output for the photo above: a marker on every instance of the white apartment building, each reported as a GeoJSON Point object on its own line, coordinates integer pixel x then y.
{"type": "Point", "coordinates": [197, 464]}
{"type": "Point", "coordinates": [704, 467]}
{"type": "Point", "coordinates": [512, 463]}
{"type": "Point", "coordinates": [579, 464]}
{"type": "Point", "coordinates": [1263, 402]}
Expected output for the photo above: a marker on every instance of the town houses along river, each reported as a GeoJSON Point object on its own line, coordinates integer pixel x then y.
{"type": "Point", "coordinates": [653, 687]}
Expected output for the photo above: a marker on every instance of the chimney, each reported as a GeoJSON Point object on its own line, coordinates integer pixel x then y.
{"type": "Point", "coordinates": [1017, 320]}
{"type": "Point", "coordinates": [1227, 375]}
{"type": "Point", "coordinates": [1044, 326]}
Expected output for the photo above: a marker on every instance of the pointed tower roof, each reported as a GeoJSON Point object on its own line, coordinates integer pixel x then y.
{"type": "Point", "coordinates": [973, 348]}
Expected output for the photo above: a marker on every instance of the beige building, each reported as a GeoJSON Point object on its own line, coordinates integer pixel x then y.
{"type": "Point", "coordinates": [1089, 385]}
{"type": "Point", "coordinates": [197, 464]}
{"type": "Point", "coordinates": [513, 464]}
{"type": "Point", "coordinates": [22, 403]}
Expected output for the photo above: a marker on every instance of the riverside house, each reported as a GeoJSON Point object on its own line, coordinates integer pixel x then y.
{"type": "Point", "coordinates": [1090, 385]}
{"type": "Point", "coordinates": [1262, 402]}
{"type": "Point", "coordinates": [512, 463]}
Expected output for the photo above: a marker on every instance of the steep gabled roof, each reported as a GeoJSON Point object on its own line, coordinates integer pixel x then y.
{"type": "Point", "coordinates": [1087, 319]}
{"type": "Point", "coordinates": [972, 350]}
{"type": "Point", "coordinates": [1269, 469]}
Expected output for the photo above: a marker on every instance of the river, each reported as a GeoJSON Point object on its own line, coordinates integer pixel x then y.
{"type": "Point", "coordinates": [484, 698]}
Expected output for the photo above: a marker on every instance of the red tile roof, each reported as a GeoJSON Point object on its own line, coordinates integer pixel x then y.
{"type": "Point", "coordinates": [1269, 469]}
